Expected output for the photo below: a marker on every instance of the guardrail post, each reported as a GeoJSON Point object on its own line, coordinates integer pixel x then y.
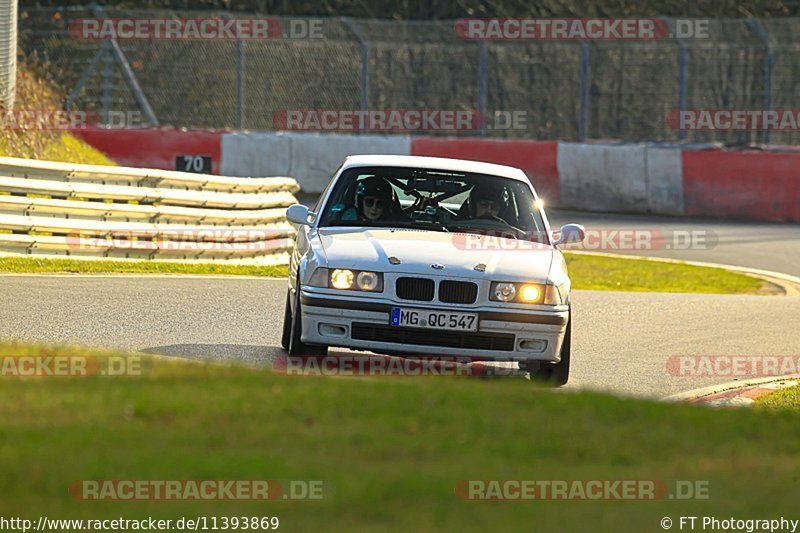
{"type": "Point", "coordinates": [583, 121]}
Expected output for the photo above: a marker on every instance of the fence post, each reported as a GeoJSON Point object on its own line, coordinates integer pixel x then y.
{"type": "Point", "coordinates": [683, 83]}
{"type": "Point", "coordinates": [110, 54]}
{"type": "Point", "coordinates": [759, 29]}
{"type": "Point", "coordinates": [107, 86]}
{"type": "Point", "coordinates": [239, 83]}
{"type": "Point", "coordinates": [683, 75]}
{"type": "Point", "coordinates": [583, 121]}
{"type": "Point", "coordinates": [353, 26]}
{"type": "Point", "coordinates": [238, 118]}
{"type": "Point", "coordinates": [87, 73]}
{"type": "Point", "coordinates": [130, 79]}
{"type": "Point", "coordinates": [8, 53]}
{"type": "Point", "coordinates": [483, 84]}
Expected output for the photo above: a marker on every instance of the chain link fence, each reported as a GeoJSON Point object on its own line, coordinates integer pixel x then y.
{"type": "Point", "coordinates": [568, 90]}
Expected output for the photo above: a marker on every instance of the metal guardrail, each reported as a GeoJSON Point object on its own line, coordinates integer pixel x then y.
{"type": "Point", "coordinates": [12, 166]}
{"type": "Point", "coordinates": [92, 211]}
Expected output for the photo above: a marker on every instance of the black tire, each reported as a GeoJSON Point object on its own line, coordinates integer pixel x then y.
{"type": "Point", "coordinates": [296, 346]}
{"type": "Point", "coordinates": [287, 321]}
{"type": "Point", "coordinates": [555, 374]}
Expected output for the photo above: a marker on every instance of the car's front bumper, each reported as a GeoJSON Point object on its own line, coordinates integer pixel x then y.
{"type": "Point", "coordinates": [364, 324]}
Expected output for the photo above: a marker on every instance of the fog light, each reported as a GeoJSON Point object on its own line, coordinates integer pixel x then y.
{"type": "Point", "coordinates": [533, 345]}
{"type": "Point", "coordinates": [332, 330]}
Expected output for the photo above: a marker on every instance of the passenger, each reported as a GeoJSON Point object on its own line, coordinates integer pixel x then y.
{"type": "Point", "coordinates": [486, 201]}
{"type": "Point", "coordinates": [373, 201]}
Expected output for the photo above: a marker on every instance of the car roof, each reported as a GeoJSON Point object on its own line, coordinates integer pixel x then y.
{"type": "Point", "coordinates": [435, 163]}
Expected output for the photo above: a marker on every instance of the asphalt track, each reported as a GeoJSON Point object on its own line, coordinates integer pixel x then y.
{"type": "Point", "coordinates": [762, 245]}
{"type": "Point", "coordinates": [622, 341]}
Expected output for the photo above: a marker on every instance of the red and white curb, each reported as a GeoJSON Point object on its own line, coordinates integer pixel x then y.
{"type": "Point", "coordinates": [606, 177]}
{"type": "Point", "coordinates": [736, 393]}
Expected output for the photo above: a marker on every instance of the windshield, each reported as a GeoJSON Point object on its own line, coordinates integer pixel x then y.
{"type": "Point", "coordinates": [435, 200]}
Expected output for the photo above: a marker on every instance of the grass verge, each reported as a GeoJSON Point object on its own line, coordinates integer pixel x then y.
{"type": "Point", "coordinates": [788, 398]}
{"type": "Point", "coordinates": [78, 266]}
{"type": "Point", "coordinates": [588, 272]}
{"type": "Point", "coordinates": [389, 451]}
{"type": "Point", "coordinates": [595, 272]}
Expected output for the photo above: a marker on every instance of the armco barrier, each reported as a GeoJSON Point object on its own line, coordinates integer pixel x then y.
{"type": "Point", "coordinates": [611, 177]}
{"type": "Point", "coordinates": [82, 211]}
{"type": "Point", "coordinates": [155, 147]}
{"type": "Point", "coordinates": [633, 178]}
{"type": "Point", "coordinates": [742, 184]}
{"type": "Point", "coordinates": [311, 157]}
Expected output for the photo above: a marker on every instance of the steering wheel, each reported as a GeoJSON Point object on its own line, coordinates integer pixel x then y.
{"type": "Point", "coordinates": [489, 223]}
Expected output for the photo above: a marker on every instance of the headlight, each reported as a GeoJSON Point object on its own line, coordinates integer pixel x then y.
{"type": "Point", "coordinates": [527, 293]}
{"type": "Point", "coordinates": [342, 279]}
{"type": "Point", "coordinates": [530, 293]}
{"type": "Point", "coordinates": [504, 292]}
{"type": "Point", "coordinates": [367, 281]}
{"type": "Point", "coordinates": [357, 280]}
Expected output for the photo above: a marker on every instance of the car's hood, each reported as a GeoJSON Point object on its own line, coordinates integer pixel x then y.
{"type": "Point", "coordinates": [417, 250]}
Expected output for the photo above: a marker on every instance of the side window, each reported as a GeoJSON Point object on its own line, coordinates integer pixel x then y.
{"type": "Point", "coordinates": [322, 196]}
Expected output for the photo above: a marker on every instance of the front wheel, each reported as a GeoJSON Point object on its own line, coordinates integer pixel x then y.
{"type": "Point", "coordinates": [555, 374]}
{"type": "Point", "coordinates": [295, 345]}
{"type": "Point", "coordinates": [287, 321]}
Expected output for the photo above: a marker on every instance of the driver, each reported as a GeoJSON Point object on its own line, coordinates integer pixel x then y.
{"type": "Point", "coordinates": [373, 201]}
{"type": "Point", "coordinates": [486, 201]}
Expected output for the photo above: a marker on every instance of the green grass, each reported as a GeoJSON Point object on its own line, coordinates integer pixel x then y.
{"type": "Point", "coordinates": [34, 265]}
{"type": "Point", "coordinates": [389, 451]}
{"type": "Point", "coordinates": [595, 272]}
{"type": "Point", "coordinates": [587, 272]}
{"type": "Point", "coordinates": [788, 398]}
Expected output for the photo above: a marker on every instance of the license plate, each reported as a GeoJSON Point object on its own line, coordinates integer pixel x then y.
{"type": "Point", "coordinates": [426, 318]}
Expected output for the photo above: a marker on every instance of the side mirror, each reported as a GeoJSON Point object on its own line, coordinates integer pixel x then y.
{"type": "Point", "coordinates": [570, 233]}
{"type": "Point", "coordinates": [297, 214]}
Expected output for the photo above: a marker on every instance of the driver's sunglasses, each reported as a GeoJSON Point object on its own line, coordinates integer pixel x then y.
{"type": "Point", "coordinates": [488, 204]}
{"type": "Point", "coordinates": [373, 202]}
